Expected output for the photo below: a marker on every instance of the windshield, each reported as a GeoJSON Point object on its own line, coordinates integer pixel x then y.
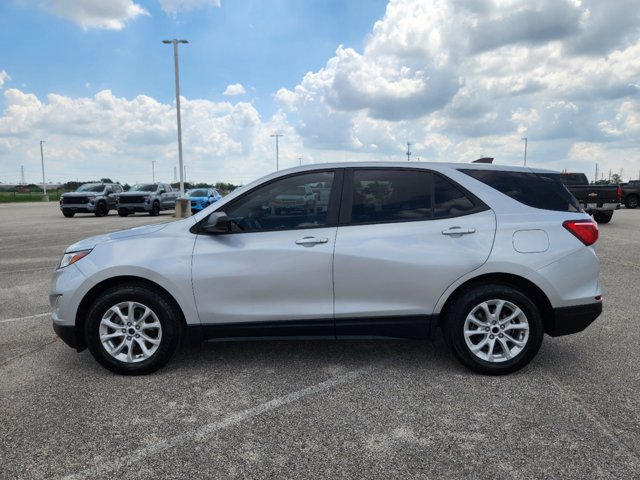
{"type": "Point", "coordinates": [144, 187]}
{"type": "Point", "coordinates": [91, 187]}
{"type": "Point", "coordinates": [198, 193]}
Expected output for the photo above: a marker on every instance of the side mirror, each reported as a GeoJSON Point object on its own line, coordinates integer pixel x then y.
{"type": "Point", "coordinates": [217, 222]}
{"type": "Point", "coordinates": [161, 191]}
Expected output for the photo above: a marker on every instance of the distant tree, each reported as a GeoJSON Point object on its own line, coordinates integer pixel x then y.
{"type": "Point", "coordinates": [126, 187]}
{"type": "Point", "coordinates": [106, 180]}
{"type": "Point", "coordinates": [601, 182]}
{"type": "Point", "coordinates": [615, 178]}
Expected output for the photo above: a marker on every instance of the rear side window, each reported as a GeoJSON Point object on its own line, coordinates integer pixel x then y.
{"type": "Point", "coordinates": [399, 195]}
{"type": "Point", "coordinates": [537, 190]}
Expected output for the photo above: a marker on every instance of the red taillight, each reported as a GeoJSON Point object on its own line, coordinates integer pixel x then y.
{"type": "Point", "coordinates": [584, 230]}
{"type": "Point", "coordinates": [619, 194]}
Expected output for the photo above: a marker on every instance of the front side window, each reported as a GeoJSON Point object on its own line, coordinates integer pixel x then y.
{"type": "Point", "coordinates": [300, 201]}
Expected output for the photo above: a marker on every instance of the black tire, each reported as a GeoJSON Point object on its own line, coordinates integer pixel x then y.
{"type": "Point", "coordinates": [68, 213]}
{"type": "Point", "coordinates": [468, 305]}
{"type": "Point", "coordinates": [155, 209]}
{"type": "Point", "coordinates": [101, 210]}
{"type": "Point", "coordinates": [631, 201]}
{"type": "Point", "coordinates": [166, 313]}
{"type": "Point", "coordinates": [123, 212]}
{"type": "Point", "coordinates": [602, 217]}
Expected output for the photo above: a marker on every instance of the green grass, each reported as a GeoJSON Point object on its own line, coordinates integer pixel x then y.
{"type": "Point", "coordinates": [8, 197]}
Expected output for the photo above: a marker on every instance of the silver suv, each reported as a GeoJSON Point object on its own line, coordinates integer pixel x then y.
{"type": "Point", "coordinates": [496, 256]}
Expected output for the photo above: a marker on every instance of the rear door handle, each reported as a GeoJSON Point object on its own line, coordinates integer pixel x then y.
{"type": "Point", "coordinates": [458, 231]}
{"type": "Point", "coordinates": [311, 241]}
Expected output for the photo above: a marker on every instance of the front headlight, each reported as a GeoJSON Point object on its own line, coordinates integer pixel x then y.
{"type": "Point", "coordinates": [72, 257]}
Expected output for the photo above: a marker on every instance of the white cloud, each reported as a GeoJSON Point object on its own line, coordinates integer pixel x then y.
{"type": "Point", "coordinates": [235, 89]}
{"type": "Point", "coordinates": [4, 76]}
{"type": "Point", "coordinates": [109, 15]}
{"type": "Point", "coordinates": [109, 136]}
{"type": "Point", "coordinates": [464, 78]}
{"type": "Point", "coordinates": [172, 7]}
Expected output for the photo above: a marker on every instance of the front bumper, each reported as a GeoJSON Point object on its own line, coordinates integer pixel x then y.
{"type": "Point", "coordinates": [198, 206]}
{"type": "Point", "coordinates": [135, 207]}
{"type": "Point", "coordinates": [78, 207]}
{"type": "Point", "coordinates": [568, 320]}
{"type": "Point", "coordinates": [68, 334]}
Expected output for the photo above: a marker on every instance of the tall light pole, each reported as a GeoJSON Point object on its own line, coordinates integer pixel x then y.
{"type": "Point", "coordinates": [175, 43]}
{"type": "Point", "coordinates": [525, 151]}
{"type": "Point", "coordinates": [408, 152]}
{"type": "Point", "coordinates": [44, 185]}
{"type": "Point", "coordinates": [153, 171]}
{"type": "Point", "coordinates": [277, 135]}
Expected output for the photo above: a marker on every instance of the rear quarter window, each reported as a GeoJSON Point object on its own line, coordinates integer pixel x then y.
{"type": "Point", "coordinates": [537, 190]}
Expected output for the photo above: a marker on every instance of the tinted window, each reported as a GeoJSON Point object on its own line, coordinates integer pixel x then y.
{"type": "Point", "coordinates": [449, 200]}
{"type": "Point", "coordinates": [390, 196]}
{"type": "Point", "coordinates": [146, 187]}
{"type": "Point", "coordinates": [300, 201]}
{"type": "Point", "coordinates": [544, 191]}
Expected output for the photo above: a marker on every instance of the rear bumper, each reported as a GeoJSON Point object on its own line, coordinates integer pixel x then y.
{"type": "Point", "coordinates": [574, 319]}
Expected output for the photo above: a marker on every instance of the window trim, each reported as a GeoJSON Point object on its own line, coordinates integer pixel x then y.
{"type": "Point", "coordinates": [332, 209]}
{"type": "Point", "coordinates": [346, 205]}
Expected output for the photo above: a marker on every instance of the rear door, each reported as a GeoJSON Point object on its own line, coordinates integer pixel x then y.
{"type": "Point", "coordinates": [405, 235]}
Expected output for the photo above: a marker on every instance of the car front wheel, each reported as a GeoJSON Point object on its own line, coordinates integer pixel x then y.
{"type": "Point", "coordinates": [132, 330]}
{"type": "Point", "coordinates": [494, 329]}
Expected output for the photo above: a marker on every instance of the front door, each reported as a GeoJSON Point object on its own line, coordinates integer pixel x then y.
{"type": "Point", "coordinates": [273, 270]}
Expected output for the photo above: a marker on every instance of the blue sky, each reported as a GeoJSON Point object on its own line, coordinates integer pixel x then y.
{"type": "Point", "coordinates": [341, 80]}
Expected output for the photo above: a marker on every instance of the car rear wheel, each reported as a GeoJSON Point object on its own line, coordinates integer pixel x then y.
{"type": "Point", "coordinates": [101, 210]}
{"type": "Point", "coordinates": [603, 217]}
{"type": "Point", "coordinates": [133, 330]}
{"type": "Point", "coordinates": [68, 213]}
{"type": "Point", "coordinates": [155, 209]}
{"type": "Point", "coordinates": [631, 201]}
{"type": "Point", "coordinates": [494, 329]}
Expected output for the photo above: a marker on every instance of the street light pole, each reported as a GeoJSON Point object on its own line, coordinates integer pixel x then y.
{"type": "Point", "coordinates": [277, 135]}
{"type": "Point", "coordinates": [175, 43]}
{"type": "Point", "coordinates": [153, 170]}
{"type": "Point", "coordinates": [525, 151]}
{"type": "Point", "coordinates": [44, 185]}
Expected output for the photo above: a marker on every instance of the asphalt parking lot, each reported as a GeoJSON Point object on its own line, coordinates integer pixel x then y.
{"type": "Point", "coordinates": [311, 409]}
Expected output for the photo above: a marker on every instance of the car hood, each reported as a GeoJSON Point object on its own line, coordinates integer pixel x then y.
{"type": "Point", "coordinates": [91, 242]}
{"type": "Point", "coordinates": [133, 193]}
{"type": "Point", "coordinates": [81, 194]}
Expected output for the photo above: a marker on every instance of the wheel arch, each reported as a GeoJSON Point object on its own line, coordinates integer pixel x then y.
{"type": "Point", "coordinates": [103, 286]}
{"type": "Point", "coordinates": [526, 286]}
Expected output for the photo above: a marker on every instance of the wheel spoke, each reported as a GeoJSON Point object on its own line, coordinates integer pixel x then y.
{"type": "Point", "coordinates": [471, 333]}
{"type": "Point", "coordinates": [144, 316]}
{"type": "Point", "coordinates": [116, 351]}
{"type": "Point", "coordinates": [492, 344]}
{"type": "Point", "coordinates": [130, 351]}
{"type": "Point", "coordinates": [148, 326]}
{"type": "Point", "coordinates": [515, 314]}
{"type": "Point", "coordinates": [145, 351]}
{"type": "Point", "coordinates": [505, 348]}
{"type": "Point", "coordinates": [154, 341]}
{"type": "Point", "coordinates": [115, 309]}
{"type": "Point", "coordinates": [475, 320]}
{"type": "Point", "coordinates": [109, 336]}
{"type": "Point", "coordinates": [517, 326]}
{"type": "Point", "coordinates": [108, 323]}
{"type": "Point", "coordinates": [499, 305]}
{"type": "Point", "coordinates": [514, 341]}
{"type": "Point", "coordinates": [476, 348]}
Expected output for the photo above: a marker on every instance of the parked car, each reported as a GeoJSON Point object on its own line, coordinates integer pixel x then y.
{"type": "Point", "coordinates": [494, 255]}
{"type": "Point", "coordinates": [299, 198]}
{"type": "Point", "coordinates": [597, 200]}
{"type": "Point", "coordinates": [151, 198]}
{"type": "Point", "coordinates": [96, 198]}
{"type": "Point", "coordinates": [201, 198]}
{"type": "Point", "coordinates": [631, 193]}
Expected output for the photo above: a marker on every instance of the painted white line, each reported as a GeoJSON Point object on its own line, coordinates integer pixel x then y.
{"type": "Point", "coordinates": [30, 317]}
{"type": "Point", "coordinates": [211, 428]}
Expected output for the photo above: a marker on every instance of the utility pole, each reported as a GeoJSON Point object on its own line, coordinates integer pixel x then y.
{"type": "Point", "coordinates": [525, 151]}
{"type": "Point", "coordinates": [153, 171]}
{"type": "Point", "coordinates": [408, 152]}
{"type": "Point", "coordinates": [277, 135]}
{"type": "Point", "coordinates": [300, 161]}
{"type": "Point", "coordinates": [175, 174]}
{"type": "Point", "coordinates": [175, 43]}
{"type": "Point", "coordinates": [45, 198]}
{"type": "Point", "coordinates": [596, 177]}
{"type": "Point", "coordinates": [22, 180]}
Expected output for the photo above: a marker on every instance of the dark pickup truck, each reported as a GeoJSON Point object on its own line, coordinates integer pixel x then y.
{"type": "Point", "coordinates": [96, 198]}
{"type": "Point", "coordinates": [147, 197]}
{"type": "Point", "coordinates": [631, 193]}
{"type": "Point", "coordinates": [597, 200]}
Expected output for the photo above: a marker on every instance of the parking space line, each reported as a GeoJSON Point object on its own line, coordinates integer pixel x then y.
{"type": "Point", "coordinates": [30, 317]}
{"type": "Point", "coordinates": [211, 428]}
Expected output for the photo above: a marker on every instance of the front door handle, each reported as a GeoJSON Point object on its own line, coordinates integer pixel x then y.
{"type": "Point", "coordinates": [311, 241]}
{"type": "Point", "coordinates": [458, 231]}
